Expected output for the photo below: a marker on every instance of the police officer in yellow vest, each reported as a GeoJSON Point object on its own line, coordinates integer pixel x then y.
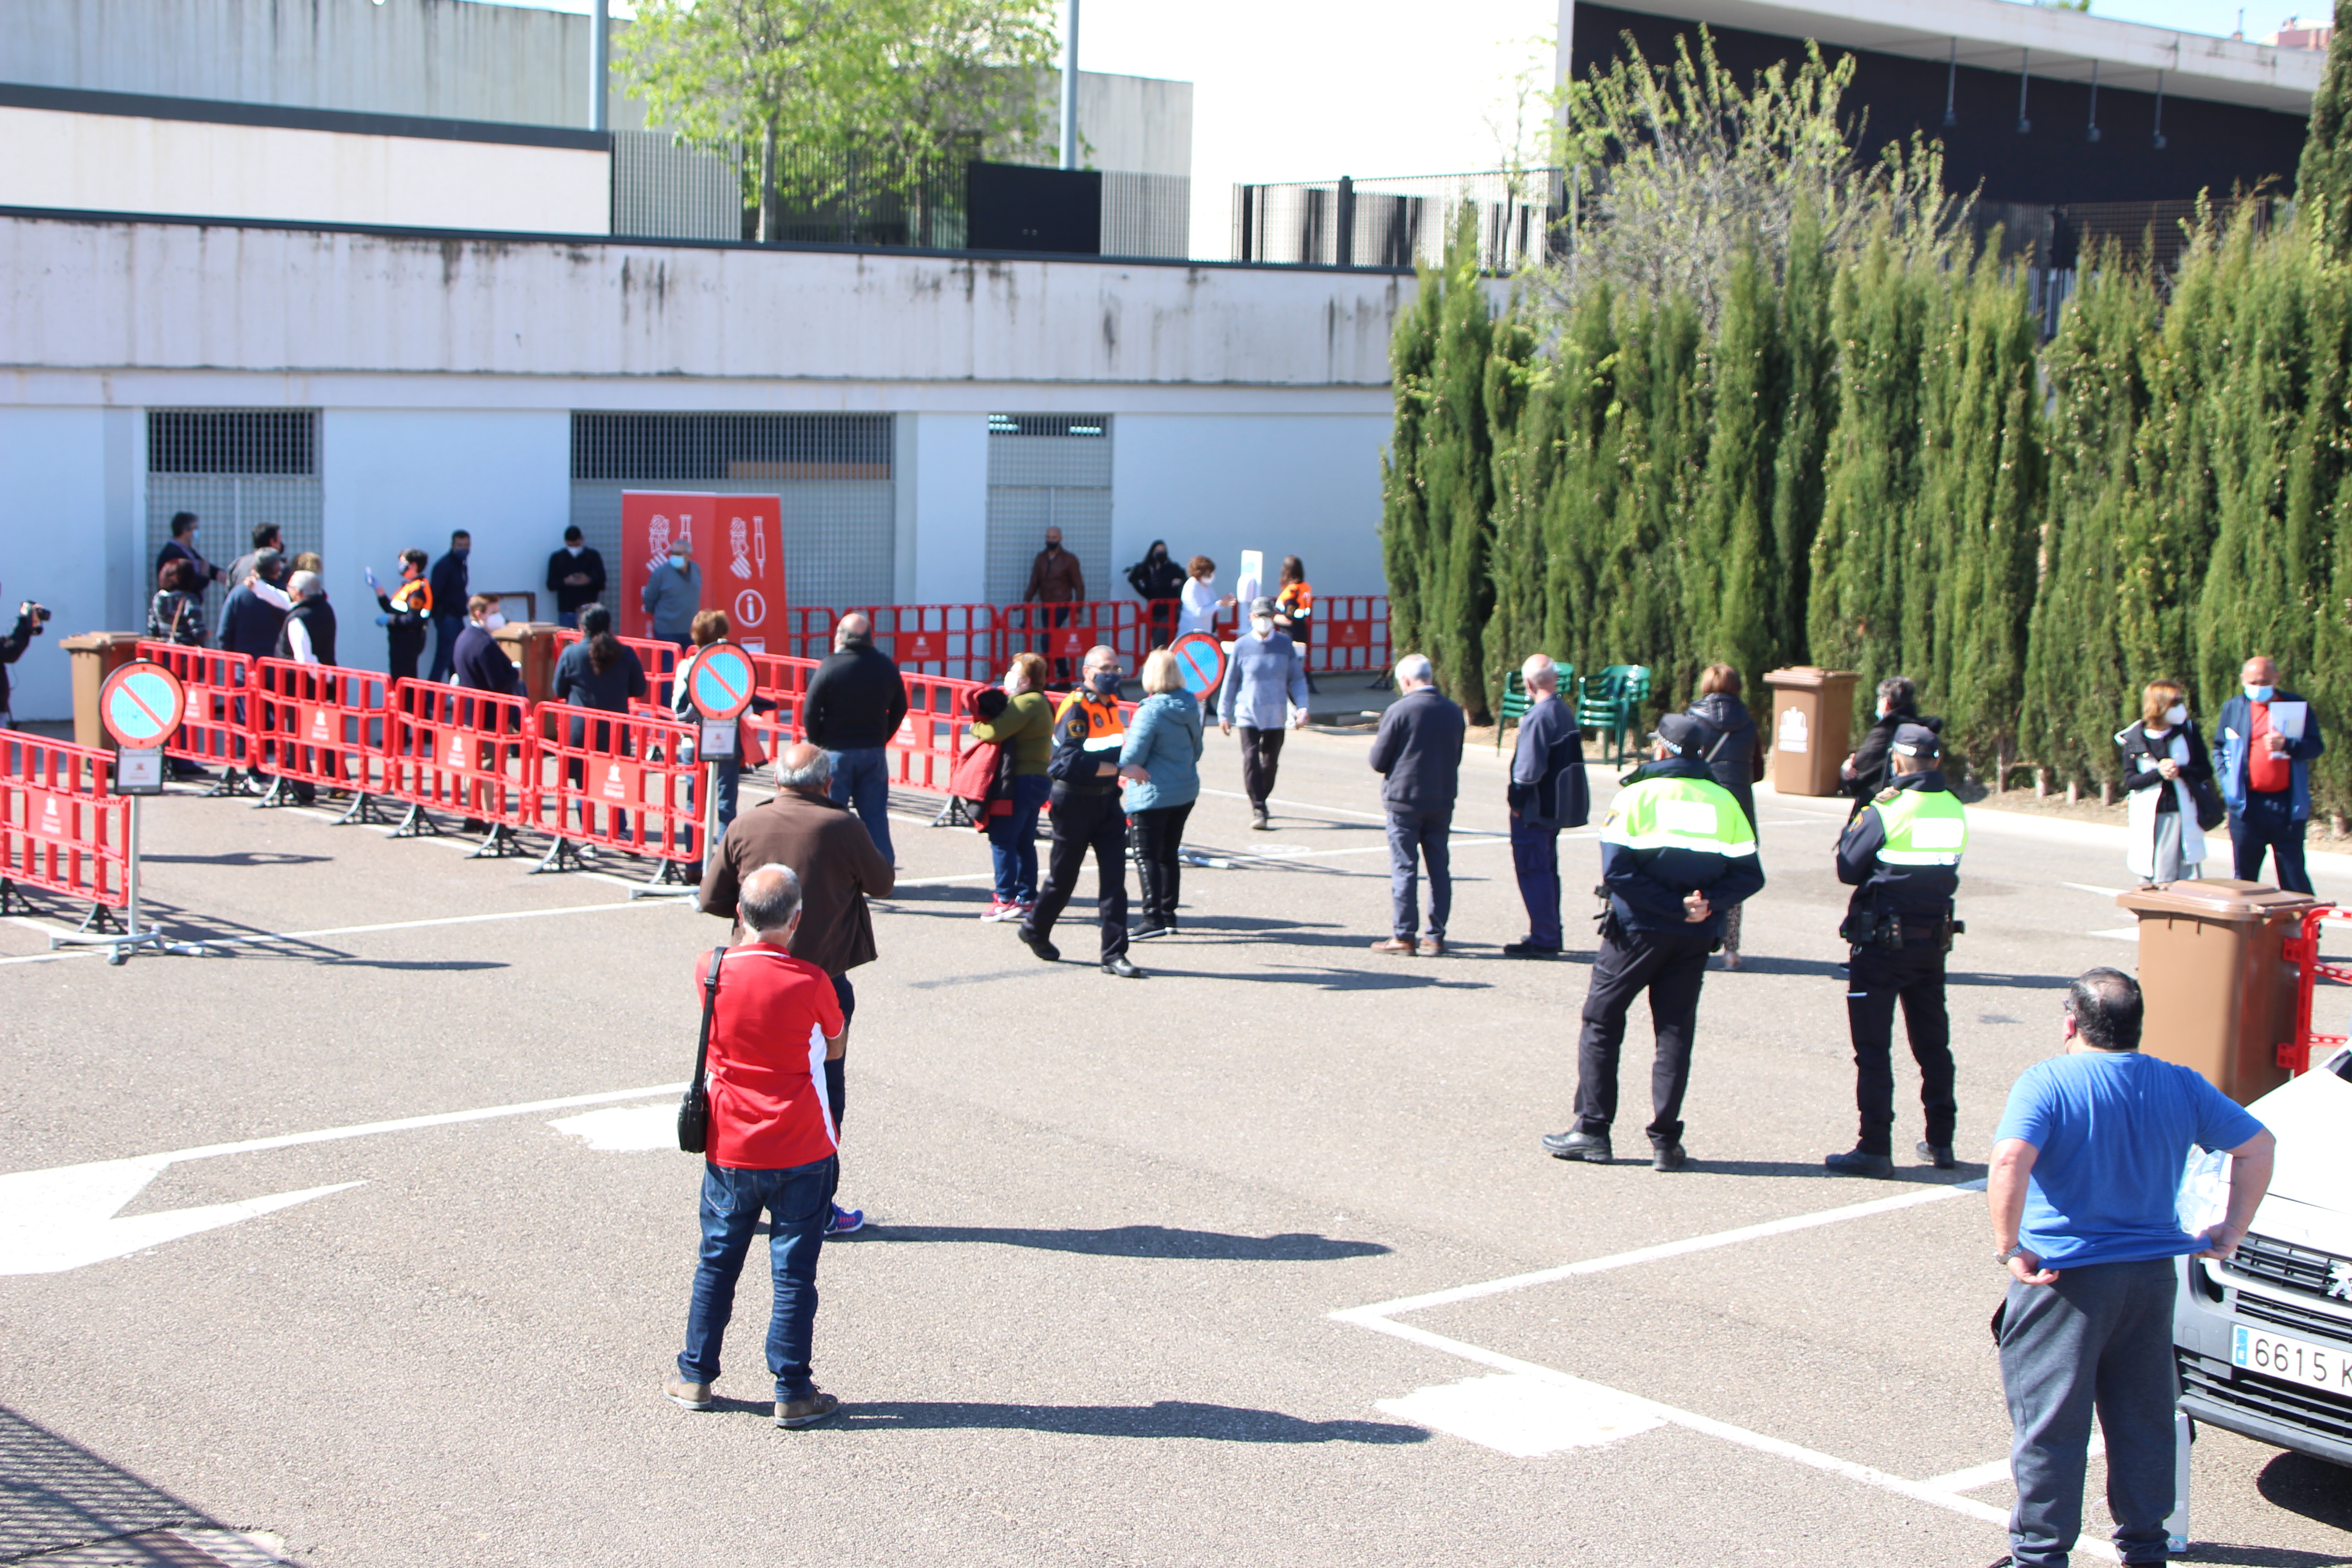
{"type": "Point", "coordinates": [1087, 815]}
{"type": "Point", "coordinates": [1676, 852]}
{"type": "Point", "coordinates": [1902, 857]}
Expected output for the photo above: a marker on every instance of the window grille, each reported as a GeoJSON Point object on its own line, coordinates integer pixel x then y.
{"type": "Point", "coordinates": [832, 472]}
{"type": "Point", "coordinates": [236, 469]}
{"type": "Point", "coordinates": [1048, 470]}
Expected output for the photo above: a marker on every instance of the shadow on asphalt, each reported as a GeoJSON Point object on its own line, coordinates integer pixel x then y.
{"type": "Point", "coordinates": [1164, 1418]}
{"type": "Point", "coordinates": [1144, 1241]}
{"type": "Point", "coordinates": [56, 1494]}
{"type": "Point", "coordinates": [241, 857]}
{"type": "Point", "coordinates": [2256, 1556]}
{"type": "Point", "coordinates": [2300, 1484]}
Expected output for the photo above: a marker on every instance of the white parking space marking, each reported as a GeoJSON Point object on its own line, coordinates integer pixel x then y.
{"type": "Point", "coordinates": [63, 1218]}
{"type": "Point", "coordinates": [1492, 1413]}
{"type": "Point", "coordinates": [625, 1129]}
{"type": "Point", "coordinates": [2118, 933]}
{"type": "Point", "coordinates": [2087, 887]}
{"type": "Point", "coordinates": [1524, 1417]}
{"type": "Point", "coordinates": [266, 937]}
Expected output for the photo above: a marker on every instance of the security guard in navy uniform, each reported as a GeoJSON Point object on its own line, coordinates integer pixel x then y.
{"type": "Point", "coordinates": [1088, 735]}
{"type": "Point", "coordinates": [1902, 857]}
{"type": "Point", "coordinates": [1676, 852]}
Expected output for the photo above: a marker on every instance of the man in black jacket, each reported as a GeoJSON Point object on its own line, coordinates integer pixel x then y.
{"type": "Point", "coordinates": [855, 702]}
{"type": "Point", "coordinates": [1547, 792]}
{"type": "Point", "coordinates": [1160, 583]}
{"type": "Point", "coordinates": [250, 624]}
{"type": "Point", "coordinates": [479, 663]}
{"type": "Point", "coordinates": [1864, 774]}
{"type": "Point", "coordinates": [1419, 751]}
{"type": "Point", "coordinates": [30, 618]}
{"type": "Point", "coordinates": [451, 582]}
{"type": "Point", "coordinates": [575, 576]}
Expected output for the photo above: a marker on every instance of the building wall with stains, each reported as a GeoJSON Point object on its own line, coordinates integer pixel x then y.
{"type": "Point", "coordinates": [1248, 406]}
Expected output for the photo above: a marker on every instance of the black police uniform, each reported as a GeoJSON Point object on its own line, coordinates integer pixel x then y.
{"type": "Point", "coordinates": [1898, 925]}
{"type": "Point", "coordinates": [1087, 815]}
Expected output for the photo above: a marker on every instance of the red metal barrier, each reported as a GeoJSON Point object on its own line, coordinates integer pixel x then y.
{"type": "Point", "coordinates": [617, 781]}
{"type": "Point", "coordinates": [217, 726]}
{"type": "Point", "coordinates": [61, 829]}
{"type": "Point", "coordinates": [1063, 633]}
{"type": "Point", "coordinates": [808, 634]}
{"type": "Point", "coordinates": [784, 682]}
{"type": "Point", "coordinates": [957, 641]}
{"type": "Point", "coordinates": [1351, 633]}
{"type": "Point", "coordinates": [922, 754]}
{"type": "Point", "coordinates": [2302, 950]}
{"type": "Point", "coordinates": [470, 752]}
{"type": "Point", "coordinates": [321, 725]}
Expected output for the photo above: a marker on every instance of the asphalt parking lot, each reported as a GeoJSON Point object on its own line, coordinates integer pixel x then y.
{"type": "Point", "coordinates": [1253, 1261]}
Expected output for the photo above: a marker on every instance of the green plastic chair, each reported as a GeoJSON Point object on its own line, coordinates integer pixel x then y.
{"type": "Point", "coordinates": [1516, 700]}
{"type": "Point", "coordinates": [1609, 704]}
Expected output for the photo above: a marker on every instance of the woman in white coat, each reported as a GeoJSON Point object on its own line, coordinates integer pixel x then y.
{"type": "Point", "coordinates": [2164, 760]}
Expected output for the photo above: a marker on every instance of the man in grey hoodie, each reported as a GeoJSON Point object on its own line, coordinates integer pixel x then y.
{"type": "Point", "coordinates": [673, 592]}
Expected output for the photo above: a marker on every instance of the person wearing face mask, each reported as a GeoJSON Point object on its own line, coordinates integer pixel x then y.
{"type": "Point", "coordinates": [575, 576]}
{"type": "Point", "coordinates": [1864, 774]}
{"type": "Point", "coordinates": [1198, 608]}
{"type": "Point", "coordinates": [1025, 728]}
{"type": "Point", "coordinates": [1056, 580]}
{"type": "Point", "coordinates": [2264, 763]}
{"type": "Point", "coordinates": [1158, 581]}
{"type": "Point", "coordinates": [405, 613]}
{"type": "Point", "coordinates": [2166, 770]}
{"type": "Point", "coordinates": [1265, 690]}
{"type": "Point", "coordinates": [182, 546]}
{"type": "Point", "coordinates": [481, 663]}
{"type": "Point", "coordinates": [1089, 736]}
{"type": "Point", "coordinates": [451, 582]}
{"type": "Point", "coordinates": [672, 591]}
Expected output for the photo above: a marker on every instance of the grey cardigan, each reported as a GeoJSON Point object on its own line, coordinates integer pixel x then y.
{"type": "Point", "coordinates": [1265, 673]}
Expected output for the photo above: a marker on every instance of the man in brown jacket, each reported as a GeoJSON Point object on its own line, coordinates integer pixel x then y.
{"type": "Point", "coordinates": [1055, 578]}
{"type": "Point", "coordinates": [839, 869]}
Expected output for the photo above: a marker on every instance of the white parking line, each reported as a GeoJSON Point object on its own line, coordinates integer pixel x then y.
{"type": "Point", "coordinates": [268, 937]}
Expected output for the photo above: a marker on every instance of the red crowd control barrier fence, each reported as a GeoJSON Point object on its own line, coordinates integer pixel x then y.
{"type": "Point", "coordinates": [922, 754]}
{"type": "Point", "coordinates": [617, 780]}
{"type": "Point", "coordinates": [784, 683]}
{"type": "Point", "coordinates": [1063, 633]}
{"type": "Point", "coordinates": [808, 634]}
{"type": "Point", "coordinates": [659, 659]}
{"type": "Point", "coordinates": [321, 725]}
{"type": "Point", "coordinates": [957, 641]}
{"type": "Point", "coordinates": [217, 726]}
{"type": "Point", "coordinates": [451, 750]}
{"type": "Point", "coordinates": [1351, 633]}
{"type": "Point", "coordinates": [61, 829]}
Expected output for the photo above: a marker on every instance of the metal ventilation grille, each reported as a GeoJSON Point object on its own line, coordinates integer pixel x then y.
{"type": "Point", "coordinates": [236, 469]}
{"type": "Point", "coordinates": [1047, 470]}
{"type": "Point", "coordinates": [832, 471]}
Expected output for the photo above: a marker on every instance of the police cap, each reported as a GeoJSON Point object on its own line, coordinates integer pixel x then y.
{"type": "Point", "coordinates": [1916, 741]}
{"type": "Point", "coordinates": [1680, 732]}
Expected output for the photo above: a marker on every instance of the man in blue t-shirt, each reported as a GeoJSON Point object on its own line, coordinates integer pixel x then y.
{"type": "Point", "coordinates": [2086, 1168]}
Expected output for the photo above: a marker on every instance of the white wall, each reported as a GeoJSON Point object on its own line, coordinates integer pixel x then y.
{"type": "Point", "coordinates": [1216, 485]}
{"type": "Point", "coordinates": [114, 162]}
{"type": "Point", "coordinates": [84, 293]}
{"type": "Point", "coordinates": [949, 483]}
{"type": "Point", "coordinates": [396, 478]}
{"type": "Point", "coordinates": [55, 526]}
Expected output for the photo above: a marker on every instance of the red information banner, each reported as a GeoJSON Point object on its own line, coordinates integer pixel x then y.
{"type": "Point", "coordinates": [739, 549]}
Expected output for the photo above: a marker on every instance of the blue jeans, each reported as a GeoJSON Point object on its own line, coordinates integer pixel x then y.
{"type": "Point", "coordinates": [798, 1202]}
{"type": "Point", "coordinates": [861, 778]}
{"type": "Point", "coordinates": [726, 787]}
{"type": "Point", "coordinates": [1535, 856]}
{"type": "Point", "coordinates": [1013, 840]}
{"type": "Point", "coordinates": [1415, 837]}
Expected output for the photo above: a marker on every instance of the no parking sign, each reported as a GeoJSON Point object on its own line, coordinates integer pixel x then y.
{"type": "Point", "coordinates": [1201, 659]}
{"type": "Point", "coordinates": [140, 706]}
{"type": "Point", "coordinates": [720, 687]}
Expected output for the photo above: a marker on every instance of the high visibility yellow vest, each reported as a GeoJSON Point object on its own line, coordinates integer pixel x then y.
{"type": "Point", "coordinates": [1678, 813]}
{"type": "Point", "coordinates": [1924, 827]}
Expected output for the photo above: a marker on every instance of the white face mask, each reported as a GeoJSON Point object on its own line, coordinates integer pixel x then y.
{"type": "Point", "coordinates": [2177, 714]}
{"type": "Point", "coordinates": [493, 621]}
{"type": "Point", "coordinates": [678, 559]}
{"type": "Point", "coordinates": [1013, 684]}
{"type": "Point", "coordinates": [574, 548]}
{"type": "Point", "coordinates": [1262, 625]}
{"type": "Point", "coordinates": [2259, 693]}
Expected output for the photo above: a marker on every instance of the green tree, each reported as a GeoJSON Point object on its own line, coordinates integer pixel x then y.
{"type": "Point", "coordinates": [1728, 560]}
{"type": "Point", "coordinates": [2323, 179]}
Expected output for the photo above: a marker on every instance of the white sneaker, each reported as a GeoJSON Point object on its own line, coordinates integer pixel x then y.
{"type": "Point", "coordinates": [997, 912]}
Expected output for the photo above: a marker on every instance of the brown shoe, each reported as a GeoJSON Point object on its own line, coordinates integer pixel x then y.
{"type": "Point", "coordinates": [693, 1395]}
{"type": "Point", "coordinates": [797, 1412]}
{"type": "Point", "coordinates": [1433, 947]}
{"type": "Point", "coordinates": [1395, 944]}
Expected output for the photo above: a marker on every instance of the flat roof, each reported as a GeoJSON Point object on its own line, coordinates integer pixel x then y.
{"type": "Point", "coordinates": [2051, 42]}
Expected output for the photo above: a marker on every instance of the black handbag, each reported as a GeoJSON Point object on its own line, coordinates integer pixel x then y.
{"type": "Point", "coordinates": [2210, 812]}
{"type": "Point", "coordinates": [694, 1107]}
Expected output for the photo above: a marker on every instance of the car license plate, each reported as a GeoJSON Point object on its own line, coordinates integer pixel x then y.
{"type": "Point", "coordinates": [2295, 1361]}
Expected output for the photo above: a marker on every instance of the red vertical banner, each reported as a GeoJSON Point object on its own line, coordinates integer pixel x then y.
{"type": "Point", "coordinates": [738, 547]}
{"type": "Point", "coordinates": [746, 567]}
{"type": "Point", "coordinates": [650, 519]}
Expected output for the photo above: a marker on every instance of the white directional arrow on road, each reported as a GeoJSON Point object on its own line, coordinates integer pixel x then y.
{"type": "Point", "coordinates": [63, 1218]}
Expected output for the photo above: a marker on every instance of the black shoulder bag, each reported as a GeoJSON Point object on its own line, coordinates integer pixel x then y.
{"type": "Point", "coordinates": [694, 1108]}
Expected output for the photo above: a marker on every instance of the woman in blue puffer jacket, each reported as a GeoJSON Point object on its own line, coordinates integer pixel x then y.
{"type": "Point", "coordinates": [1160, 767]}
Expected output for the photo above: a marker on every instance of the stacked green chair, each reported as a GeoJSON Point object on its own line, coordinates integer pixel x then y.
{"type": "Point", "coordinates": [1609, 704]}
{"type": "Point", "coordinates": [1516, 700]}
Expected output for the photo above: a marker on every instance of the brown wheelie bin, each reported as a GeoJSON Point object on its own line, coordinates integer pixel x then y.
{"type": "Point", "coordinates": [2221, 995]}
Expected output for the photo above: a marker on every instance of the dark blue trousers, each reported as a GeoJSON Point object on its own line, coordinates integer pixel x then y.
{"type": "Point", "coordinates": [1534, 858]}
{"type": "Point", "coordinates": [2268, 822]}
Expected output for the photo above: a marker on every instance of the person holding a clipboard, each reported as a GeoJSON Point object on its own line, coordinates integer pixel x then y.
{"type": "Point", "coordinates": [2261, 758]}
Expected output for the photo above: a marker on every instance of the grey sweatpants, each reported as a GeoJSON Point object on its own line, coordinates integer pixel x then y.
{"type": "Point", "coordinates": [2100, 1337]}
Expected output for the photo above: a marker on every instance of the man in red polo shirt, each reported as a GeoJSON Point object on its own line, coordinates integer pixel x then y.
{"type": "Point", "coordinates": [772, 1148]}
{"type": "Point", "coordinates": [2263, 754]}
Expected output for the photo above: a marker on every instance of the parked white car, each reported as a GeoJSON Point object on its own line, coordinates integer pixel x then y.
{"type": "Point", "coordinates": [2265, 1341]}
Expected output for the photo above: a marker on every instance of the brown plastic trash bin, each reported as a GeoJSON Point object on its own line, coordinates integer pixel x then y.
{"type": "Point", "coordinates": [96, 656]}
{"type": "Point", "coordinates": [531, 646]}
{"type": "Point", "coordinates": [2220, 996]}
{"type": "Point", "coordinates": [1812, 728]}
